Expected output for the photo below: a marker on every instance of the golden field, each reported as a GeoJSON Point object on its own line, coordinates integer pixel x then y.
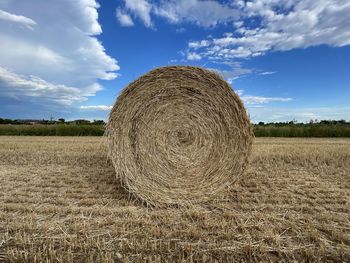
{"type": "Point", "coordinates": [60, 202]}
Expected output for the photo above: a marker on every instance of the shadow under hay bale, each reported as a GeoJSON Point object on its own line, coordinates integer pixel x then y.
{"type": "Point", "coordinates": [178, 136]}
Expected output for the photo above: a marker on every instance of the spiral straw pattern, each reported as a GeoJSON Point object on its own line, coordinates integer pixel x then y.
{"type": "Point", "coordinates": [178, 136]}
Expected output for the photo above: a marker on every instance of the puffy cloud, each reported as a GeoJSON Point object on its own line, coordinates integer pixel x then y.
{"type": "Point", "coordinates": [141, 9]}
{"type": "Point", "coordinates": [58, 61]}
{"type": "Point", "coordinates": [198, 44]}
{"type": "Point", "coordinates": [193, 56]}
{"type": "Point", "coordinates": [35, 88]}
{"type": "Point", "coordinates": [200, 12]}
{"type": "Point", "coordinates": [225, 41]}
{"type": "Point", "coordinates": [97, 107]}
{"type": "Point", "coordinates": [203, 13]}
{"type": "Point", "coordinates": [123, 18]}
{"type": "Point", "coordinates": [284, 25]}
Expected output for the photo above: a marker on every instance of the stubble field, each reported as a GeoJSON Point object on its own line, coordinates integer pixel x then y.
{"type": "Point", "coordinates": [60, 202]}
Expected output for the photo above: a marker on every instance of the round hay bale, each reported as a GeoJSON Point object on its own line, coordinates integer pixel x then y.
{"type": "Point", "coordinates": [178, 135]}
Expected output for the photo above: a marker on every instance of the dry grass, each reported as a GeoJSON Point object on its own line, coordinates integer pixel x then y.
{"type": "Point", "coordinates": [178, 135]}
{"type": "Point", "coordinates": [60, 202]}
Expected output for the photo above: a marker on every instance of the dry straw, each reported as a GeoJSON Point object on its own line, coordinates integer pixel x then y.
{"type": "Point", "coordinates": [178, 136]}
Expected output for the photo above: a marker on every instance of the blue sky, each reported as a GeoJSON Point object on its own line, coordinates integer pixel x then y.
{"type": "Point", "coordinates": [286, 59]}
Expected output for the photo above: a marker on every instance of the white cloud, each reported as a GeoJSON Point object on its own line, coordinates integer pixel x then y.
{"type": "Point", "coordinates": [203, 13]}
{"type": "Point", "coordinates": [97, 107]}
{"type": "Point", "coordinates": [123, 18]}
{"type": "Point", "coordinates": [249, 99]}
{"type": "Point", "coordinates": [34, 88]}
{"type": "Point", "coordinates": [200, 12]}
{"type": "Point", "coordinates": [253, 100]}
{"type": "Point", "coordinates": [198, 44]}
{"type": "Point", "coordinates": [141, 9]}
{"type": "Point", "coordinates": [267, 73]}
{"type": "Point", "coordinates": [225, 41]}
{"type": "Point", "coordinates": [17, 19]}
{"type": "Point", "coordinates": [284, 25]}
{"type": "Point", "coordinates": [193, 56]}
{"type": "Point", "coordinates": [236, 71]}
{"type": "Point", "coordinates": [57, 62]}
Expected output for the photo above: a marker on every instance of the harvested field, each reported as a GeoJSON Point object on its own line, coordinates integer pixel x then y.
{"type": "Point", "coordinates": [60, 202]}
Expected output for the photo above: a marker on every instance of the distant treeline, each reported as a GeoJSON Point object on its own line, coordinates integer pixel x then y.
{"type": "Point", "coordinates": [325, 128]}
{"type": "Point", "coordinates": [52, 130]}
{"type": "Point", "coordinates": [60, 127]}
{"type": "Point", "coordinates": [50, 122]}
